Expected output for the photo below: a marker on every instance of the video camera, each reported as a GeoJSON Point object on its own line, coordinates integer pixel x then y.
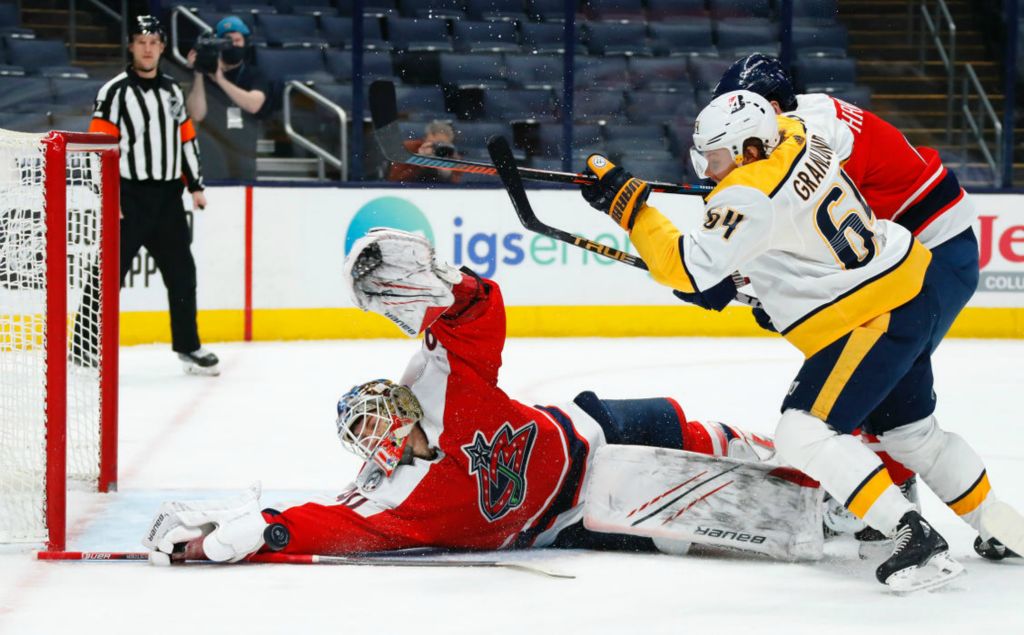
{"type": "Point", "coordinates": [208, 49]}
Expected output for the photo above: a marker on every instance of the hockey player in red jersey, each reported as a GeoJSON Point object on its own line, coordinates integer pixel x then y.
{"type": "Point", "coordinates": [451, 460]}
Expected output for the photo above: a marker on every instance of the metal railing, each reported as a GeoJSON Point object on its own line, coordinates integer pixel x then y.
{"type": "Point", "coordinates": [975, 123]}
{"type": "Point", "coordinates": [176, 12]}
{"type": "Point", "coordinates": [930, 26]}
{"type": "Point", "coordinates": [339, 162]}
{"type": "Point", "coordinates": [121, 18]}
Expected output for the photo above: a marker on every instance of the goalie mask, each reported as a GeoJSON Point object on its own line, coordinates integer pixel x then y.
{"type": "Point", "coordinates": [729, 123]}
{"type": "Point", "coordinates": [374, 422]}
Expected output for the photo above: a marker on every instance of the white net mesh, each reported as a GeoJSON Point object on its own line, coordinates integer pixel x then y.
{"type": "Point", "coordinates": [23, 362]}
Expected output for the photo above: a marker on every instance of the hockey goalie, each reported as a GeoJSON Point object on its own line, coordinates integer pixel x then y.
{"type": "Point", "coordinates": [451, 462]}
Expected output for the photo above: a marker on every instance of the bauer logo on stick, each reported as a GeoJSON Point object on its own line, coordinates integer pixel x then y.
{"type": "Point", "coordinates": [500, 468]}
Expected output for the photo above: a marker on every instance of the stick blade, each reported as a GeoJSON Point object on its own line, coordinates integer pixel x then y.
{"type": "Point", "coordinates": [383, 103]}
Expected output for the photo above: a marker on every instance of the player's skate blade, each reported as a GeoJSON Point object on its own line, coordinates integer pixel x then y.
{"type": "Point", "coordinates": [200, 362]}
{"type": "Point", "coordinates": [920, 558]}
{"type": "Point", "coordinates": [1006, 524]}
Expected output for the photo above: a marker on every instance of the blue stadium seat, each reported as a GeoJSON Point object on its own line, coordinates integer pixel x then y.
{"type": "Point", "coordinates": [741, 37]}
{"type": "Point", "coordinates": [433, 9]}
{"type": "Point", "coordinates": [24, 94]}
{"type": "Point", "coordinates": [476, 36]}
{"type": "Point", "coordinates": [80, 93]}
{"type": "Point", "coordinates": [633, 138]}
{"type": "Point", "coordinates": [706, 72]}
{"type": "Point", "coordinates": [599, 106]}
{"type": "Point", "coordinates": [25, 121]}
{"type": "Point", "coordinates": [496, 9]}
{"type": "Point", "coordinates": [462, 69]}
{"type": "Point", "coordinates": [284, 64]}
{"type": "Point", "coordinates": [9, 15]}
{"type": "Point", "coordinates": [534, 71]}
{"type": "Point", "coordinates": [73, 123]}
{"type": "Point", "coordinates": [473, 135]}
{"type": "Point", "coordinates": [825, 39]}
{"type": "Point", "coordinates": [658, 73]}
{"type": "Point", "coordinates": [816, 74]}
{"type": "Point", "coordinates": [586, 139]}
{"type": "Point", "coordinates": [519, 104]}
{"type": "Point", "coordinates": [288, 30]}
{"type": "Point", "coordinates": [546, 10]}
{"type": "Point", "coordinates": [547, 37]}
{"type": "Point", "coordinates": [693, 37]}
{"type": "Point", "coordinates": [421, 103]}
{"type": "Point", "coordinates": [815, 11]}
{"type": "Point", "coordinates": [612, 38]}
{"type": "Point", "coordinates": [377, 8]}
{"type": "Point", "coordinates": [857, 95]}
{"type": "Point", "coordinates": [650, 106]}
{"type": "Point", "coordinates": [419, 34]}
{"type": "Point", "coordinates": [671, 170]}
{"type": "Point", "coordinates": [739, 9]}
{"type": "Point", "coordinates": [337, 31]}
{"type": "Point", "coordinates": [601, 73]}
{"type": "Point", "coordinates": [673, 10]}
{"type": "Point", "coordinates": [305, 7]}
{"type": "Point", "coordinates": [35, 56]}
{"type": "Point", "coordinates": [376, 65]}
{"type": "Point", "coordinates": [613, 9]}
{"type": "Point", "coordinates": [251, 8]}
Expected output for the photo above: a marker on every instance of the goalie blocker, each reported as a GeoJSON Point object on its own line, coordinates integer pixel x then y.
{"type": "Point", "coordinates": [725, 502]}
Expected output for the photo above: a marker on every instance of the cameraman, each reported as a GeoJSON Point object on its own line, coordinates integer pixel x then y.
{"type": "Point", "coordinates": [437, 142]}
{"type": "Point", "coordinates": [227, 98]}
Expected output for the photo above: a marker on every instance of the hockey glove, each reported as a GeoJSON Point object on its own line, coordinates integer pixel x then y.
{"type": "Point", "coordinates": [229, 530]}
{"type": "Point", "coordinates": [713, 298]}
{"type": "Point", "coordinates": [764, 320]}
{"type": "Point", "coordinates": [394, 274]}
{"type": "Point", "coordinates": [617, 193]}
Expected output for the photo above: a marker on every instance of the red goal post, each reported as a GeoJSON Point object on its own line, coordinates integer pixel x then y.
{"type": "Point", "coordinates": [59, 287]}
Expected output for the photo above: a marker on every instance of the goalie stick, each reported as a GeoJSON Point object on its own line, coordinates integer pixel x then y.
{"type": "Point", "coordinates": [511, 176]}
{"type": "Point", "coordinates": [288, 558]}
{"type": "Point", "coordinates": [384, 112]}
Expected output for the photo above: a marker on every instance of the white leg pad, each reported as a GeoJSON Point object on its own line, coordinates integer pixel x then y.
{"type": "Point", "coordinates": [839, 462]}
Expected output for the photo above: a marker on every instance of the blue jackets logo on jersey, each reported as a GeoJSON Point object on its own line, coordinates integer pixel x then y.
{"type": "Point", "coordinates": [500, 468]}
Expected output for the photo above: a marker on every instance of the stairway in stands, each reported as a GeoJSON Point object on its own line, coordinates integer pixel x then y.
{"type": "Point", "coordinates": [98, 48]}
{"type": "Point", "coordinates": [912, 96]}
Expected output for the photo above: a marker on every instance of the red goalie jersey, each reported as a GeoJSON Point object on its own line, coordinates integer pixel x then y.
{"type": "Point", "coordinates": [506, 474]}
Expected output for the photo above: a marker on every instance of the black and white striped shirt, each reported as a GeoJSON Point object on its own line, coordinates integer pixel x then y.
{"type": "Point", "coordinates": [157, 138]}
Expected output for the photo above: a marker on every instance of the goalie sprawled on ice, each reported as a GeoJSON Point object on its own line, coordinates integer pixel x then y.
{"type": "Point", "coordinates": [452, 462]}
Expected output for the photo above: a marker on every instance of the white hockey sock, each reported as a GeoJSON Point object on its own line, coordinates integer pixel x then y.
{"type": "Point", "coordinates": [946, 463]}
{"type": "Point", "coordinates": [844, 466]}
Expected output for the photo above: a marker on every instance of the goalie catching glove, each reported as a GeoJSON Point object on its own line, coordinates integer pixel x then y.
{"type": "Point", "coordinates": [617, 193]}
{"type": "Point", "coordinates": [395, 274]}
{"type": "Point", "coordinates": [221, 531]}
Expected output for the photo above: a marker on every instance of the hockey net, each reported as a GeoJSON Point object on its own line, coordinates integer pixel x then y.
{"type": "Point", "coordinates": [58, 327]}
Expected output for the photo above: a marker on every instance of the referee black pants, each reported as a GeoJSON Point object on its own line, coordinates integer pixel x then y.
{"type": "Point", "coordinates": [154, 218]}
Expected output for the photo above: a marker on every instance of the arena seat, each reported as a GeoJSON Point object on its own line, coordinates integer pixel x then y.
{"type": "Point", "coordinates": [337, 31]}
{"type": "Point", "coordinates": [534, 71]}
{"type": "Point", "coordinates": [289, 30]}
{"type": "Point", "coordinates": [452, 9]}
{"type": "Point", "coordinates": [721, 9]}
{"type": "Point", "coordinates": [813, 74]}
{"type": "Point", "coordinates": [609, 38]}
{"type": "Point", "coordinates": [376, 65]}
{"type": "Point", "coordinates": [462, 69]}
{"type": "Point", "coordinates": [295, 63]}
{"type": "Point", "coordinates": [741, 37]}
{"type": "Point", "coordinates": [657, 106]}
{"type": "Point", "coordinates": [597, 106]}
{"type": "Point", "coordinates": [378, 8]}
{"type": "Point", "coordinates": [821, 12]}
{"type": "Point", "coordinates": [24, 94]}
{"type": "Point", "coordinates": [25, 121]}
{"type": "Point", "coordinates": [79, 93]}
{"type": "Point", "coordinates": [519, 104]}
{"type": "Point", "coordinates": [586, 139]}
{"type": "Point", "coordinates": [479, 36]}
{"type": "Point", "coordinates": [472, 136]}
{"type": "Point", "coordinates": [601, 72]}
{"type": "Point", "coordinates": [856, 95]}
{"type": "Point", "coordinates": [658, 73]}
{"type": "Point", "coordinates": [421, 102]}
{"type": "Point", "coordinates": [546, 10]}
{"type": "Point", "coordinates": [707, 71]}
{"type": "Point", "coordinates": [547, 37]}
{"type": "Point", "coordinates": [496, 9]}
{"type": "Point", "coordinates": [693, 37]}
{"type": "Point", "coordinates": [305, 7]}
{"type": "Point", "coordinates": [673, 10]}
{"type": "Point", "coordinates": [74, 123]}
{"type": "Point", "coordinates": [613, 9]}
{"type": "Point", "coordinates": [671, 170]}
{"type": "Point", "coordinates": [419, 34]}
{"type": "Point", "coordinates": [823, 39]}
{"type": "Point", "coordinates": [38, 56]}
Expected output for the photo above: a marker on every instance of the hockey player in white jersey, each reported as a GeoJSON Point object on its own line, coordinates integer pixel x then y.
{"type": "Point", "coordinates": [854, 294]}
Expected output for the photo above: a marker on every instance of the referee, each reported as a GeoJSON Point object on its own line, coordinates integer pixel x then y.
{"type": "Point", "coordinates": [145, 110]}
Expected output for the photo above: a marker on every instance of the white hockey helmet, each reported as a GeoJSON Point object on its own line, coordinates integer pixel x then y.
{"type": "Point", "coordinates": [727, 122]}
{"type": "Point", "coordinates": [375, 420]}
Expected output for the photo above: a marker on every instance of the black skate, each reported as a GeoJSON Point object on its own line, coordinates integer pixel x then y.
{"type": "Point", "coordinates": [875, 545]}
{"type": "Point", "coordinates": [992, 549]}
{"type": "Point", "coordinates": [200, 362]}
{"type": "Point", "coordinates": [920, 557]}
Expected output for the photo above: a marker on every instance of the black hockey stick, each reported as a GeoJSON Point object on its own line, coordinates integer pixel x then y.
{"type": "Point", "coordinates": [505, 164]}
{"type": "Point", "coordinates": [384, 111]}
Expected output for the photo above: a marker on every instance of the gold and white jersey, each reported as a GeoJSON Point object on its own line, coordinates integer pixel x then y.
{"type": "Point", "coordinates": [795, 224]}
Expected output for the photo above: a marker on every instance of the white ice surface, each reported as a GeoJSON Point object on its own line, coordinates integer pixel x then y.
{"type": "Point", "coordinates": [270, 416]}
